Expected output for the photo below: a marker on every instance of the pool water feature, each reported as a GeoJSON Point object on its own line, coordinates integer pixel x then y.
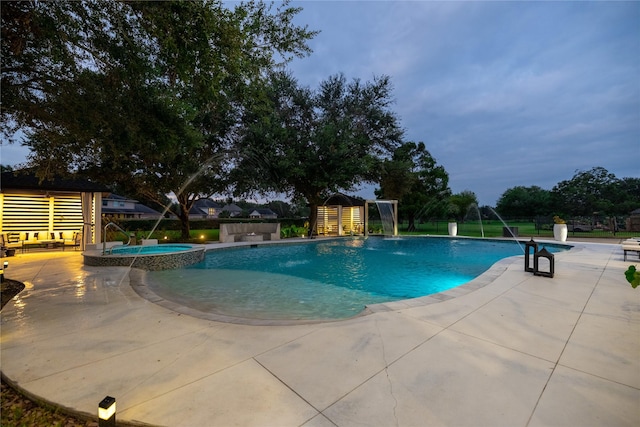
{"type": "Point", "coordinates": [330, 279]}
{"type": "Point", "coordinates": [385, 208]}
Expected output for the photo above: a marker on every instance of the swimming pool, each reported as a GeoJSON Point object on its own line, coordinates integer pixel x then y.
{"type": "Point", "coordinates": [326, 279]}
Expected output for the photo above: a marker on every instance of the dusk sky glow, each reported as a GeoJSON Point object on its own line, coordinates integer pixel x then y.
{"type": "Point", "coordinates": [502, 93]}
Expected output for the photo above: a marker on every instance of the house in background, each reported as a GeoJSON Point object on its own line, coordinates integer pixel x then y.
{"type": "Point", "coordinates": [28, 205]}
{"type": "Point", "coordinates": [232, 209]}
{"type": "Point", "coordinates": [263, 213]}
{"type": "Point", "coordinates": [205, 209]}
{"type": "Point", "coordinates": [118, 207]}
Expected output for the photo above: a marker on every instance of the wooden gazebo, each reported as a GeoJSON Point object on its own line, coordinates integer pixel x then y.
{"type": "Point", "coordinates": [29, 205]}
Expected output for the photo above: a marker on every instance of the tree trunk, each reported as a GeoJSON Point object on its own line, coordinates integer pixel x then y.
{"type": "Point", "coordinates": [185, 229]}
{"type": "Point", "coordinates": [313, 219]}
{"type": "Point", "coordinates": [185, 232]}
{"type": "Point", "coordinates": [412, 220]}
{"type": "Point", "coordinates": [183, 215]}
{"type": "Point", "coordinates": [314, 201]}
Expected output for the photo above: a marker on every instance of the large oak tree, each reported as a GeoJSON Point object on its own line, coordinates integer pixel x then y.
{"type": "Point", "coordinates": [310, 144]}
{"type": "Point", "coordinates": [146, 94]}
{"type": "Point", "coordinates": [596, 191]}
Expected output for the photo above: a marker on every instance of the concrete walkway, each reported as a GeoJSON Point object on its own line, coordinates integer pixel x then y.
{"type": "Point", "coordinates": [520, 351]}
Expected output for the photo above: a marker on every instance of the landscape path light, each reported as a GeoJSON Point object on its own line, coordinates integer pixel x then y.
{"type": "Point", "coordinates": [107, 412]}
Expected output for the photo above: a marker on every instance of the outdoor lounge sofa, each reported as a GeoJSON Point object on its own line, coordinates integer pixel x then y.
{"type": "Point", "coordinates": [631, 245]}
{"type": "Point", "coordinates": [41, 238]}
{"type": "Point", "coordinates": [249, 232]}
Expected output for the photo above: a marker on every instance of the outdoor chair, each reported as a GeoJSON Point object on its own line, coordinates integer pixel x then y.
{"type": "Point", "coordinates": [74, 242]}
{"type": "Point", "coordinates": [10, 241]}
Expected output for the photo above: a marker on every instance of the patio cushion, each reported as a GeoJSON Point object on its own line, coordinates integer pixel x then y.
{"type": "Point", "coordinates": [35, 236]}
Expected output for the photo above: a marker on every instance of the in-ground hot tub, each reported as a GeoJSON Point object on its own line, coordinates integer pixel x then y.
{"type": "Point", "coordinates": [148, 257]}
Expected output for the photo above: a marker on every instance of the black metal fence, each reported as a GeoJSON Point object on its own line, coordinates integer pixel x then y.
{"type": "Point", "coordinates": [609, 227]}
{"type": "Point", "coordinates": [596, 226]}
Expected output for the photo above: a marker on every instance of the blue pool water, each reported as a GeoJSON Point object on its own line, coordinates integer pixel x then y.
{"type": "Point", "coordinates": [150, 249]}
{"type": "Point", "coordinates": [327, 279]}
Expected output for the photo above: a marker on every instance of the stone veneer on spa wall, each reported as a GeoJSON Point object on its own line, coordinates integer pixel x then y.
{"type": "Point", "coordinates": [160, 261]}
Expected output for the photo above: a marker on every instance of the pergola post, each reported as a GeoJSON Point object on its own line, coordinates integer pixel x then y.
{"type": "Point", "coordinates": [395, 217]}
{"type": "Point", "coordinates": [97, 217]}
{"type": "Point", "coordinates": [366, 218]}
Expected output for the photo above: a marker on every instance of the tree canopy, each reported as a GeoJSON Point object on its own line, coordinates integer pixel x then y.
{"type": "Point", "coordinates": [413, 178]}
{"type": "Point", "coordinates": [312, 143]}
{"type": "Point", "coordinates": [524, 202]}
{"type": "Point", "coordinates": [596, 191]}
{"type": "Point", "coordinates": [460, 203]}
{"type": "Point", "coordinates": [588, 192]}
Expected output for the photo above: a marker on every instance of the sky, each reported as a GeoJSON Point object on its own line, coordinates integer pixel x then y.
{"type": "Point", "coordinates": [503, 94]}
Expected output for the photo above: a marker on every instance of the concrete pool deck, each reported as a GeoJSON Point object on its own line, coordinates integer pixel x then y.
{"type": "Point", "coordinates": [521, 351]}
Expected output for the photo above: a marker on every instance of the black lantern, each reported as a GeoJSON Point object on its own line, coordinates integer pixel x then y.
{"type": "Point", "coordinates": [528, 259]}
{"type": "Point", "coordinates": [536, 263]}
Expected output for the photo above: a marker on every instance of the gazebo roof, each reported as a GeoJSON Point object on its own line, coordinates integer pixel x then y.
{"type": "Point", "coordinates": [26, 180]}
{"type": "Point", "coordinates": [343, 200]}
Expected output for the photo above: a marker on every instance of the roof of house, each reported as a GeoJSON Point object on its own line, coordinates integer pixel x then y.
{"type": "Point", "coordinates": [138, 208]}
{"type": "Point", "coordinates": [206, 203]}
{"type": "Point", "coordinates": [146, 209]}
{"type": "Point", "coordinates": [202, 206]}
{"type": "Point", "coordinates": [264, 211]}
{"type": "Point", "coordinates": [231, 208]}
{"type": "Point", "coordinates": [344, 200]}
{"type": "Point", "coordinates": [27, 180]}
{"type": "Point", "coordinates": [117, 197]}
